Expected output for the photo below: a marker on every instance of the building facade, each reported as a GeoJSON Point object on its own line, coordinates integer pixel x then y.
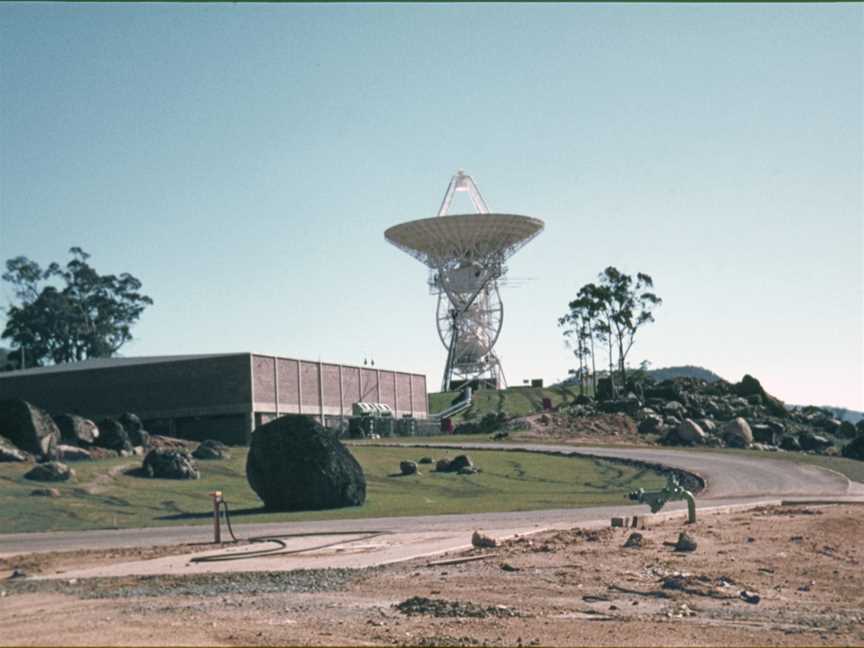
{"type": "Point", "coordinates": [221, 396]}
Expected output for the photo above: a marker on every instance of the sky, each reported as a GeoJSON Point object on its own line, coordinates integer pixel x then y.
{"type": "Point", "coordinates": [243, 161]}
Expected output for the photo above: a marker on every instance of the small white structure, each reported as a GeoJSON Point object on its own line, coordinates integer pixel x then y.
{"type": "Point", "coordinates": [381, 410]}
{"type": "Point", "coordinates": [466, 255]}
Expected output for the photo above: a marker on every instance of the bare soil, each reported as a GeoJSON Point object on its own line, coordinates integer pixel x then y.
{"type": "Point", "coordinates": [773, 576]}
{"type": "Point", "coordinates": [602, 429]}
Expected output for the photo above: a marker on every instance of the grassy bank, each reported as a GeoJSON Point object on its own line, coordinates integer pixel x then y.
{"type": "Point", "coordinates": [110, 494]}
{"type": "Point", "coordinates": [513, 401]}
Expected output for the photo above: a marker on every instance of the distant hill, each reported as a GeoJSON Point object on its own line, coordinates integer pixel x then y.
{"type": "Point", "coordinates": [686, 371]}
{"type": "Point", "coordinates": [841, 413]}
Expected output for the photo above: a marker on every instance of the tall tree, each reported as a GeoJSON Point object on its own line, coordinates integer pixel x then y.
{"type": "Point", "coordinates": [610, 312]}
{"type": "Point", "coordinates": [78, 314]}
{"type": "Point", "coordinates": [631, 304]}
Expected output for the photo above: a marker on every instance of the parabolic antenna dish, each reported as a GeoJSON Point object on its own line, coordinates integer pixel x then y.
{"type": "Point", "coordinates": [439, 240]}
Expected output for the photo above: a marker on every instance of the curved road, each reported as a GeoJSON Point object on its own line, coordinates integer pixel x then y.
{"type": "Point", "coordinates": [732, 480]}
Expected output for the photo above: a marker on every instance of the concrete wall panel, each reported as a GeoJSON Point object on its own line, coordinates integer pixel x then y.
{"type": "Point", "coordinates": [311, 397]}
{"type": "Point", "coordinates": [350, 387]}
{"type": "Point", "coordinates": [330, 379]}
{"type": "Point", "coordinates": [368, 385]}
{"type": "Point", "coordinates": [288, 394]}
{"type": "Point", "coordinates": [403, 393]}
{"type": "Point", "coordinates": [388, 388]}
{"type": "Point", "coordinates": [263, 379]}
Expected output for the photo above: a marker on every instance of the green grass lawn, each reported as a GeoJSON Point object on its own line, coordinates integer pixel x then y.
{"type": "Point", "coordinates": [851, 468]}
{"type": "Point", "coordinates": [509, 481]}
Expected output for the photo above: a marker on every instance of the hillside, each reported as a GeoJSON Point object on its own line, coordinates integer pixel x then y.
{"type": "Point", "coordinates": [513, 401]}
{"type": "Point", "coordinates": [685, 371]}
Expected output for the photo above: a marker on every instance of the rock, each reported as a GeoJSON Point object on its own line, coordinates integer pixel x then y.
{"type": "Point", "coordinates": [442, 465]}
{"type": "Point", "coordinates": [689, 432]}
{"type": "Point", "coordinates": [8, 452]}
{"type": "Point", "coordinates": [72, 453]}
{"type": "Point", "coordinates": [483, 541]}
{"type": "Point", "coordinates": [45, 492]}
{"type": "Point", "coordinates": [76, 430]}
{"type": "Point", "coordinates": [685, 543]}
{"type": "Point", "coordinates": [815, 442]}
{"type": "Point", "coordinates": [674, 408]}
{"type": "Point", "coordinates": [846, 430]}
{"type": "Point", "coordinates": [163, 463]}
{"type": "Point", "coordinates": [424, 460]}
{"type": "Point", "coordinates": [468, 470]}
{"type": "Point", "coordinates": [408, 467]}
{"type": "Point", "coordinates": [461, 461]}
{"type": "Point", "coordinates": [708, 426]}
{"type": "Point", "coordinates": [651, 424]}
{"type": "Point", "coordinates": [112, 435]}
{"type": "Point", "coordinates": [789, 442]}
{"type": "Point", "coordinates": [294, 464]}
{"type": "Point", "coordinates": [634, 540]}
{"type": "Point", "coordinates": [855, 449]}
{"type": "Point", "coordinates": [777, 427]}
{"type": "Point", "coordinates": [830, 424]}
{"type": "Point", "coordinates": [749, 386]}
{"type": "Point", "coordinates": [737, 433]}
{"type": "Point", "coordinates": [50, 471]}
{"type": "Point", "coordinates": [620, 406]}
{"type": "Point", "coordinates": [29, 428]}
{"type": "Point", "coordinates": [749, 597]}
{"type": "Point", "coordinates": [138, 436]}
{"type": "Point", "coordinates": [764, 447]}
{"type": "Point", "coordinates": [211, 449]}
{"type": "Point", "coordinates": [763, 433]}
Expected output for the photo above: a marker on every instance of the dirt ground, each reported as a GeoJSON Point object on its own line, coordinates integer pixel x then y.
{"type": "Point", "coordinates": [773, 576]}
{"type": "Point", "coordinates": [602, 429]}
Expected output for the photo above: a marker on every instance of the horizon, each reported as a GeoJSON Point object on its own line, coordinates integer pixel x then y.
{"type": "Point", "coordinates": [244, 161]}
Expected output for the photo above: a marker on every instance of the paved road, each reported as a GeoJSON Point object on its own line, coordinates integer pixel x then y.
{"type": "Point", "coordinates": [732, 480]}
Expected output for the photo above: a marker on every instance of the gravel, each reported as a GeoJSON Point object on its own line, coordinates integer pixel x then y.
{"type": "Point", "coordinates": [304, 580]}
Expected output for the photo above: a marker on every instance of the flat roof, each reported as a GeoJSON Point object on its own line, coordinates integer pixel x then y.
{"type": "Point", "coordinates": [110, 363]}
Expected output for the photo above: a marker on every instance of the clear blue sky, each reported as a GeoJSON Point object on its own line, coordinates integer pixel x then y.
{"type": "Point", "coordinates": [244, 160]}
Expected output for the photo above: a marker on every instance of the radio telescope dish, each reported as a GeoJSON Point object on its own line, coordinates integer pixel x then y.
{"type": "Point", "coordinates": [465, 254]}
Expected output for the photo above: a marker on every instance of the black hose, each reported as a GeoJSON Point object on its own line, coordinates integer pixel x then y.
{"type": "Point", "coordinates": [281, 548]}
{"type": "Point", "coordinates": [228, 520]}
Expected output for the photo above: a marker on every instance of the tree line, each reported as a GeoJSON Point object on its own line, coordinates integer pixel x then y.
{"type": "Point", "coordinates": [68, 313]}
{"type": "Point", "coordinates": [604, 318]}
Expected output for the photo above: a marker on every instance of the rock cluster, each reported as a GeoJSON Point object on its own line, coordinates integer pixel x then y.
{"type": "Point", "coordinates": [77, 430]}
{"type": "Point", "coordinates": [211, 449]}
{"type": "Point", "coordinates": [161, 463]}
{"type": "Point", "coordinates": [691, 411]}
{"type": "Point", "coordinates": [50, 471]}
{"type": "Point", "coordinates": [461, 464]}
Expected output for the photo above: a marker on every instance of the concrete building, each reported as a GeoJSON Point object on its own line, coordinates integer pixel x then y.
{"type": "Point", "coordinates": [221, 396]}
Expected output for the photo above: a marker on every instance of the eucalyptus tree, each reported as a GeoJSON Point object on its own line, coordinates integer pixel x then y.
{"type": "Point", "coordinates": [69, 313]}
